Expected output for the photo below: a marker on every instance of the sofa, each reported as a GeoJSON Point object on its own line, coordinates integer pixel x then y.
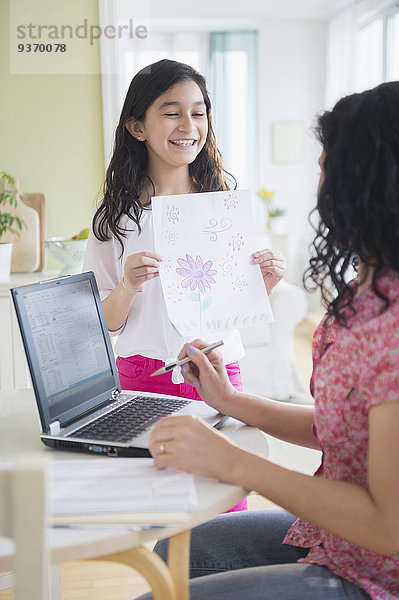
{"type": "Point", "coordinates": [268, 367]}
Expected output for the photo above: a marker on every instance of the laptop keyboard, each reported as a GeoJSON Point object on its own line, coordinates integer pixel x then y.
{"type": "Point", "coordinates": [131, 419]}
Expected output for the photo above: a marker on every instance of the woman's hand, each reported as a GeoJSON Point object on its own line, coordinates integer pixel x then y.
{"type": "Point", "coordinates": [272, 265]}
{"type": "Point", "coordinates": [208, 374]}
{"type": "Point", "coordinates": [139, 268]}
{"type": "Point", "coordinates": [189, 444]}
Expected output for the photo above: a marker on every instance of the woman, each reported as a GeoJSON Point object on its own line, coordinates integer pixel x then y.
{"type": "Point", "coordinates": [345, 541]}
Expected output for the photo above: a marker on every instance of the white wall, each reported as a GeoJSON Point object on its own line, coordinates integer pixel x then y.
{"type": "Point", "coordinates": [292, 81]}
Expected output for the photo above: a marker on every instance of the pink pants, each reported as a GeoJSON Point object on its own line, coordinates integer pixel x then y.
{"type": "Point", "coordinates": [134, 374]}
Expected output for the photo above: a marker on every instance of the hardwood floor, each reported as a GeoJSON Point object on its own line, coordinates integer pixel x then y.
{"type": "Point", "coordinates": [96, 580]}
{"type": "Point", "coordinates": [100, 581]}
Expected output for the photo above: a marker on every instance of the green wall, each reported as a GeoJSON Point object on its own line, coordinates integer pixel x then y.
{"type": "Point", "coordinates": [51, 130]}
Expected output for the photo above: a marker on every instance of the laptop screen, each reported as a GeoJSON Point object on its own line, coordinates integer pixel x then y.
{"type": "Point", "coordinates": [67, 345]}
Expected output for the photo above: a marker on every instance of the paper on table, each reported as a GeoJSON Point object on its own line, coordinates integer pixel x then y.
{"type": "Point", "coordinates": [208, 281]}
{"type": "Point", "coordinates": [120, 486]}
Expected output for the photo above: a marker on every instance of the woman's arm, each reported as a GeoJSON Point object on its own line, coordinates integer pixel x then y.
{"type": "Point", "coordinates": [367, 517]}
{"type": "Point", "coordinates": [289, 422]}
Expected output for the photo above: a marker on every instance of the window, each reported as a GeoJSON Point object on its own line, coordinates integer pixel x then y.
{"type": "Point", "coordinates": [369, 55]}
{"type": "Point", "coordinates": [233, 87]}
{"type": "Point", "coordinates": [377, 56]}
{"type": "Point", "coordinates": [187, 48]}
{"type": "Point", "coordinates": [227, 59]}
{"type": "Point", "coordinates": [393, 47]}
{"type": "Point", "coordinates": [363, 48]}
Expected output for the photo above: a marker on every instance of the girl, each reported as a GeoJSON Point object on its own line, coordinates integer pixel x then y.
{"type": "Point", "coordinates": [345, 543]}
{"type": "Point", "coordinates": [164, 144]}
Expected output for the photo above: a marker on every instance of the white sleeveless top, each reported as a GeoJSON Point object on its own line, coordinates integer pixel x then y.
{"type": "Point", "coordinates": [148, 330]}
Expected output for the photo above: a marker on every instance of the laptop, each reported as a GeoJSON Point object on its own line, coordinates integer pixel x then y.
{"type": "Point", "coordinates": [74, 375]}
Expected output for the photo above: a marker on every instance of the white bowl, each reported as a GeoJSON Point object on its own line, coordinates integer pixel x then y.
{"type": "Point", "coordinates": [70, 253]}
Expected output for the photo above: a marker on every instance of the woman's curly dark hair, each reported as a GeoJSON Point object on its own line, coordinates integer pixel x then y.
{"type": "Point", "coordinates": [358, 202]}
{"type": "Point", "coordinates": [126, 176]}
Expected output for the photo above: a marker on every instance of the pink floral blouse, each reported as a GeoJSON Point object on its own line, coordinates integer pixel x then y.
{"type": "Point", "coordinates": [353, 370]}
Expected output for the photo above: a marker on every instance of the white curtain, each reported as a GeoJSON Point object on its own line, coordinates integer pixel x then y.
{"type": "Point", "coordinates": [233, 89]}
{"type": "Point", "coordinates": [341, 52]}
{"type": "Point", "coordinates": [228, 60]}
{"type": "Point", "coordinates": [122, 57]}
{"type": "Point", "coordinates": [361, 48]}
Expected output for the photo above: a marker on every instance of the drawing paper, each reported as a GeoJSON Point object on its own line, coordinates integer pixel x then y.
{"type": "Point", "coordinates": [207, 277]}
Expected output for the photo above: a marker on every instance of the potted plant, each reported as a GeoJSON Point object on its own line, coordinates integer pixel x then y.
{"type": "Point", "coordinates": [9, 223]}
{"type": "Point", "coordinates": [275, 216]}
{"type": "Point", "coordinates": [277, 220]}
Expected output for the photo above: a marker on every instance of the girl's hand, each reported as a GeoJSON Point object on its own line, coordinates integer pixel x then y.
{"type": "Point", "coordinates": [208, 374]}
{"type": "Point", "coordinates": [272, 265]}
{"type": "Point", "coordinates": [189, 444]}
{"type": "Point", "coordinates": [139, 268]}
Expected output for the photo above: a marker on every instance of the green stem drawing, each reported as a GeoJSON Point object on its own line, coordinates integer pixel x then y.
{"type": "Point", "coordinates": [203, 304]}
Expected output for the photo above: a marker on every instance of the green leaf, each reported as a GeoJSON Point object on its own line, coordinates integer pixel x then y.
{"type": "Point", "coordinates": [206, 303]}
{"type": "Point", "coordinates": [9, 222]}
{"type": "Point", "coordinates": [6, 177]}
{"type": "Point", "coordinates": [192, 296]}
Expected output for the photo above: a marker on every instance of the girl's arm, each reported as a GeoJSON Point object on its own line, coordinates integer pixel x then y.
{"type": "Point", "coordinates": [118, 287]}
{"type": "Point", "coordinates": [117, 305]}
{"type": "Point", "coordinates": [367, 517]}
{"type": "Point", "coordinates": [139, 268]}
{"type": "Point", "coordinates": [272, 265]}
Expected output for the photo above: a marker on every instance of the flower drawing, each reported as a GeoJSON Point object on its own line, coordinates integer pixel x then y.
{"type": "Point", "coordinates": [196, 273]}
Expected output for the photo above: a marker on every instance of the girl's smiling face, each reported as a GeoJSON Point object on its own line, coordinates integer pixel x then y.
{"type": "Point", "coordinates": [175, 126]}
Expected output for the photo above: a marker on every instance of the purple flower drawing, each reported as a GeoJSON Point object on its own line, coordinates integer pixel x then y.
{"type": "Point", "coordinates": [196, 273]}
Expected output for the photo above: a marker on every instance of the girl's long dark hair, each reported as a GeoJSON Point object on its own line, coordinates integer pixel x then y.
{"type": "Point", "coordinates": [126, 177]}
{"type": "Point", "coordinates": [358, 203]}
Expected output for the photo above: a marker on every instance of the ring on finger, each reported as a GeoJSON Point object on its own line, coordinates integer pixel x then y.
{"type": "Point", "coordinates": [162, 448]}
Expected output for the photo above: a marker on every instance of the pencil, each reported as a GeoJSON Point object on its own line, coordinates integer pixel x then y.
{"type": "Point", "coordinates": [183, 361]}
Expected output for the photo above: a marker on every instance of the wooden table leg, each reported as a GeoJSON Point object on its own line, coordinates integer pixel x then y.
{"type": "Point", "coordinates": [167, 582]}
{"type": "Point", "coordinates": [151, 567]}
{"type": "Point", "coordinates": [178, 562]}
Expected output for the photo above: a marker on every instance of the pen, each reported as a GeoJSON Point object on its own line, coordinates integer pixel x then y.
{"type": "Point", "coordinates": [183, 361]}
